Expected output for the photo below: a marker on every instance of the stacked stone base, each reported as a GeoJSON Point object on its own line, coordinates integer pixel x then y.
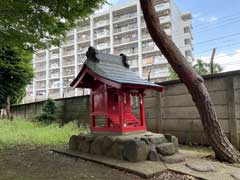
{"type": "Point", "coordinates": [133, 148]}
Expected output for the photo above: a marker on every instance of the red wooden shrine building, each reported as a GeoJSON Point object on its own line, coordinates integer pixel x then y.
{"type": "Point", "coordinates": [113, 85]}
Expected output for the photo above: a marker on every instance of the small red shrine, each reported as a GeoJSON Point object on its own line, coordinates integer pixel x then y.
{"type": "Point", "coordinates": [113, 85]}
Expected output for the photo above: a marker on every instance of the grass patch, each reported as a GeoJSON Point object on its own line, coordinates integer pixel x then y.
{"type": "Point", "coordinates": [22, 132]}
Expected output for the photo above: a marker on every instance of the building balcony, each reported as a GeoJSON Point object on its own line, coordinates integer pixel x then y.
{"type": "Point", "coordinates": [70, 71]}
{"type": "Point", "coordinates": [83, 28]}
{"type": "Point", "coordinates": [54, 66]}
{"type": "Point", "coordinates": [162, 6]}
{"type": "Point", "coordinates": [41, 87]}
{"type": "Point", "coordinates": [102, 46]}
{"type": "Point", "coordinates": [101, 23]}
{"type": "Point", "coordinates": [146, 36]}
{"type": "Point", "coordinates": [40, 68]}
{"type": "Point", "coordinates": [38, 59]}
{"type": "Point", "coordinates": [133, 63]}
{"type": "Point", "coordinates": [40, 95]}
{"type": "Point", "coordinates": [152, 60]}
{"type": "Point", "coordinates": [67, 81]}
{"type": "Point", "coordinates": [83, 50]}
{"type": "Point", "coordinates": [164, 19]}
{"type": "Point", "coordinates": [81, 59]}
{"type": "Point", "coordinates": [125, 28]}
{"type": "Point", "coordinates": [83, 39]}
{"type": "Point", "coordinates": [68, 42]}
{"type": "Point", "coordinates": [53, 56]}
{"type": "Point", "coordinates": [124, 16]}
{"type": "Point", "coordinates": [125, 41]}
{"type": "Point", "coordinates": [40, 77]}
{"type": "Point", "coordinates": [54, 85]}
{"type": "Point", "coordinates": [128, 52]}
{"type": "Point", "coordinates": [68, 53]}
{"type": "Point", "coordinates": [150, 48]}
{"type": "Point", "coordinates": [54, 75]}
{"type": "Point", "coordinates": [68, 63]}
{"type": "Point", "coordinates": [101, 34]}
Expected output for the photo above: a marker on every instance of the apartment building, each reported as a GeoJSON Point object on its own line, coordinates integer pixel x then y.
{"type": "Point", "coordinates": [120, 29]}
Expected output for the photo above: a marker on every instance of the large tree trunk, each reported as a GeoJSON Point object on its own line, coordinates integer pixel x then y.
{"type": "Point", "coordinates": [8, 106]}
{"type": "Point", "coordinates": [223, 149]}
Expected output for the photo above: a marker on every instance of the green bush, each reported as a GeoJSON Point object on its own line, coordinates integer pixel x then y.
{"type": "Point", "coordinates": [48, 112]}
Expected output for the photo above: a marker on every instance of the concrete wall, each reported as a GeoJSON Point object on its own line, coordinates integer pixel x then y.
{"type": "Point", "coordinates": [170, 112]}
{"type": "Point", "coordinates": [174, 111]}
{"type": "Point", "coordinates": [74, 108]}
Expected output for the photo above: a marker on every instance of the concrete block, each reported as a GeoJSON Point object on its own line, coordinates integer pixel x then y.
{"type": "Point", "coordinates": [216, 84]}
{"type": "Point", "coordinates": [177, 100]}
{"type": "Point", "coordinates": [180, 113]}
{"type": "Point", "coordinates": [150, 93]}
{"type": "Point", "coordinates": [151, 123]}
{"type": "Point", "coordinates": [175, 89]}
{"type": "Point", "coordinates": [150, 102]}
{"type": "Point", "coordinates": [150, 113]}
{"type": "Point", "coordinates": [236, 82]}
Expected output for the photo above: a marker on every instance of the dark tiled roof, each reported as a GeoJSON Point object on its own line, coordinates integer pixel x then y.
{"type": "Point", "coordinates": [111, 67]}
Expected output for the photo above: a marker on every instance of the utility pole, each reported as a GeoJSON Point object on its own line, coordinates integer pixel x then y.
{"type": "Point", "coordinates": [212, 58]}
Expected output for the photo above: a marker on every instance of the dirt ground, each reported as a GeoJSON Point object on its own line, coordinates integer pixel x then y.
{"type": "Point", "coordinates": [25, 163]}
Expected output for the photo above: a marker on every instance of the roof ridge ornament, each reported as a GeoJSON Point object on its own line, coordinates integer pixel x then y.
{"type": "Point", "coordinates": [124, 60]}
{"type": "Point", "coordinates": [91, 53]}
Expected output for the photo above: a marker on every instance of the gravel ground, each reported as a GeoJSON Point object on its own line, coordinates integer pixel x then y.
{"type": "Point", "coordinates": [24, 163]}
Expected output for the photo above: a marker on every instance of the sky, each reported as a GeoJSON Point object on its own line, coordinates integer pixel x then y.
{"type": "Point", "coordinates": [216, 24]}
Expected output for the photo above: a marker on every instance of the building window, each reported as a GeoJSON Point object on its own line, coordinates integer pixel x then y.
{"type": "Point", "coordinates": [188, 53]}
{"type": "Point", "coordinates": [187, 41]}
{"type": "Point", "coordinates": [187, 29]}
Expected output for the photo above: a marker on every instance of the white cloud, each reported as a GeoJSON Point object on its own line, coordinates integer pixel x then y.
{"type": "Point", "coordinates": [197, 15]}
{"type": "Point", "coordinates": [213, 18]}
{"type": "Point", "coordinates": [110, 3]}
{"type": "Point", "coordinates": [207, 19]}
{"type": "Point", "coordinates": [229, 62]}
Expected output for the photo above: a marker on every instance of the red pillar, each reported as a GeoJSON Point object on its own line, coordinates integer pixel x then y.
{"type": "Point", "coordinates": [121, 112]}
{"type": "Point", "coordinates": [93, 124]}
{"type": "Point", "coordinates": [105, 93]}
{"type": "Point", "coordinates": [142, 113]}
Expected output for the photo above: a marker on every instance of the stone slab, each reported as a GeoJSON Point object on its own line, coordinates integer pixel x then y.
{"type": "Point", "coordinates": [146, 169]}
{"type": "Point", "coordinates": [236, 175]}
{"type": "Point", "coordinates": [223, 171]}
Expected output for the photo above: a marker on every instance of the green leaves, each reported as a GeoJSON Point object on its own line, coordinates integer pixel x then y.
{"type": "Point", "coordinates": [16, 73]}
{"type": "Point", "coordinates": [204, 68]}
{"type": "Point", "coordinates": [201, 67]}
{"type": "Point", "coordinates": [48, 112]}
{"type": "Point", "coordinates": [40, 24]}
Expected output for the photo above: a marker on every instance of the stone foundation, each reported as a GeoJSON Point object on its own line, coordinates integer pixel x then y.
{"type": "Point", "coordinates": [133, 148]}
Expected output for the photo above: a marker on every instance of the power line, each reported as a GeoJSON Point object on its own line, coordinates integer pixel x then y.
{"type": "Point", "coordinates": [222, 18]}
{"type": "Point", "coordinates": [216, 22]}
{"type": "Point", "coordinates": [221, 37]}
{"type": "Point", "coordinates": [217, 25]}
{"type": "Point", "coordinates": [206, 30]}
{"type": "Point", "coordinates": [227, 44]}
